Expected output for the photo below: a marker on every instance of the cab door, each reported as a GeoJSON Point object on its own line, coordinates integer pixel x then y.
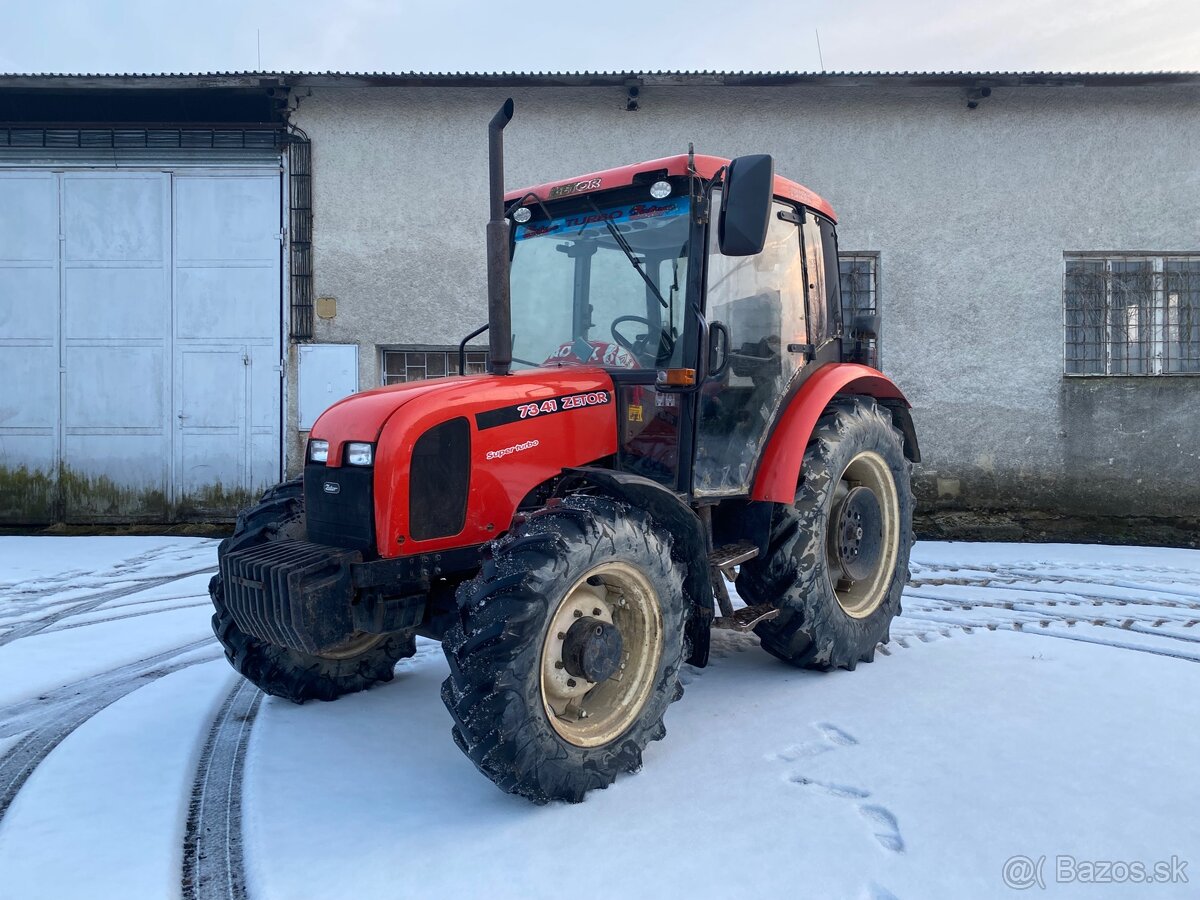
{"type": "Point", "coordinates": [761, 302]}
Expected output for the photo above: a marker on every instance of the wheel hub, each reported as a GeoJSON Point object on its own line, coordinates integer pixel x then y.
{"type": "Point", "coordinates": [858, 534]}
{"type": "Point", "coordinates": [592, 649]}
{"type": "Point", "coordinates": [600, 653]}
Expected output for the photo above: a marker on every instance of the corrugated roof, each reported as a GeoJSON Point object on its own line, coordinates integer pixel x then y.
{"type": "Point", "coordinates": [589, 78]}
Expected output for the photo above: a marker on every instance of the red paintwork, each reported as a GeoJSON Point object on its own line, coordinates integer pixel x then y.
{"type": "Point", "coordinates": [395, 417]}
{"type": "Point", "coordinates": [779, 470]}
{"type": "Point", "coordinates": [706, 166]}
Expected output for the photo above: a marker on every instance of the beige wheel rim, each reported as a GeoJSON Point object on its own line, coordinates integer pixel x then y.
{"type": "Point", "coordinates": [359, 643]}
{"type": "Point", "coordinates": [860, 598]}
{"type": "Point", "coordinates": [590, 714]}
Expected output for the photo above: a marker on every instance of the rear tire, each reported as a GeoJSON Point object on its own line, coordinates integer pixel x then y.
{"type": "Point", "coordinates": [516, 709]}
{"type": "Point", "coordinates": [827, 620]}
{"type": "Point", "coordinates": [281, 671]}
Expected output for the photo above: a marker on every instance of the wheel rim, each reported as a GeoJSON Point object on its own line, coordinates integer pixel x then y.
{"type": "Point", "coordinates": [359, 643]}
{"type": "Point", "coordinates": [585, 713]}
{"type": "Point", "coordinates": [859, 597]}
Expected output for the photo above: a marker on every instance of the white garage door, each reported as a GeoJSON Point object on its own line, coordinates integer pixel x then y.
{"type": "Point", "coordinates": [139, 343]}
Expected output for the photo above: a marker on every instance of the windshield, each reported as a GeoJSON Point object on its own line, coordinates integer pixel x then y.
{"type": "Point", "coordinates": [581, 294]}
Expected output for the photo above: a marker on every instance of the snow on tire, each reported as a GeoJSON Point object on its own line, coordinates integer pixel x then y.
{"type": "Point", "coordinates": [567, 649]}
{"type": "Point", "coordinates": [827, 618]}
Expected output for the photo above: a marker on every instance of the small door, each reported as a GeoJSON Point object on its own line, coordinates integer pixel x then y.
{"type": "Point", "coordinates": [760, 300]}
{"type": "Point", "coordinates": [328, 372]}
{"type": "Point", "coordinates": [211, 427]}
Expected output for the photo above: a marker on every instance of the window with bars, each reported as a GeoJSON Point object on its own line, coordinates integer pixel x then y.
{"type": "Point", "coordinates": [401, 364]}
{"type": "Point", "coordinates": [1132, 314]}
{"type": "Point", "coordinates": [858, 274]}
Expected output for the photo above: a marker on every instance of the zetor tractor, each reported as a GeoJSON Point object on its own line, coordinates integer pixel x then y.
{"type": "Point", "coordinates": [673, 400]}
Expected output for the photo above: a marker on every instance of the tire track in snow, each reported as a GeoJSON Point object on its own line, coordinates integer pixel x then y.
{"type": "Point", "coordinates": [50, 718]}
{"type": "Point", "coordinates": [27, 629]}
{"type": "Point", "coordinates": [1052, 579]}
{"type": "Point", "coordinates": [1041, 606]}
{"type": "Point", "coordinates": [212, 844]}
{"type": "Point", "coordinates": [132, 615]}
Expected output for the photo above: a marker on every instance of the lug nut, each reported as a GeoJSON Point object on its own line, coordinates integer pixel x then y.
{"type": "Point", "coordinates": [596, 611]}
{"type": "Point", "coordinates": [579, 614]}
{"type": "Point", "coordinates": [570, 682]}
{"type": "Point", "coordinates": [561, 635]}
{"type": "Point", "coordinates": [558, 664]}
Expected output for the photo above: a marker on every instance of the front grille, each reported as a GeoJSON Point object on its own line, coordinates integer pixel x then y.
{"type": "Point", "coordinates": [339, 506]}
{"type": "Point", "coordinates": [291, 593]}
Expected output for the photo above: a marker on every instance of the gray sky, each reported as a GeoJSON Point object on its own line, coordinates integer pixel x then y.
{"type": "Point", "coordinates": [468, 35]}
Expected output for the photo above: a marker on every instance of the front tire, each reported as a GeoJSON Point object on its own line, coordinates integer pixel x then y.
{"type": "Point", "coordinates": [567, 650]}
{"type": "Point", "coordinates": [835, 578]}
{"type": "Point", "coordinates": [362, 662]}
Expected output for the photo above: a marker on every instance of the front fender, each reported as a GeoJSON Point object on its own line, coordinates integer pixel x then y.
{"type": "Point", "coordinates": [779, 468]}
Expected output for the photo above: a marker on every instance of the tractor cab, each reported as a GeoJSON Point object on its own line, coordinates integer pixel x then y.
{"type": "Point", "coordinates": [701, 296]}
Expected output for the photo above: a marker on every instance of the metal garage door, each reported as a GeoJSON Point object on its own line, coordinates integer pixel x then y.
{"type": "Point", "coordinates": [139, 342]}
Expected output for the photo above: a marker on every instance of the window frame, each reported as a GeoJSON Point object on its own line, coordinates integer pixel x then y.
{"type": "Point", "coordinates": [875, 345]}
{"type": "Point", "coordinates": [451, 353]}
{"type": "Point", "coordinates": [1158, 360]}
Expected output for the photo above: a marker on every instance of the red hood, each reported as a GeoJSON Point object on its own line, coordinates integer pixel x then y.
{"type": "Point", "coordinates": [361, 417]}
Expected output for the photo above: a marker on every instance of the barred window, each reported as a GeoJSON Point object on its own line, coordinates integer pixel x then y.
{"type": "Point", "coordinates": [859, 289]}
{"type": "Point", "coordinates": [401, 364]}
{"type": "Point", "coordinates": [1132, 314]}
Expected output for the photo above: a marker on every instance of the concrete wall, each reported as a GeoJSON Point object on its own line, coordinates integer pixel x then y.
{"type": "Point", "coordinates": [970, 211]}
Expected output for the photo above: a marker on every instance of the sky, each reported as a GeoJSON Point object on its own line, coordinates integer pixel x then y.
{"type": "Point", "coordinates": [617, 35]}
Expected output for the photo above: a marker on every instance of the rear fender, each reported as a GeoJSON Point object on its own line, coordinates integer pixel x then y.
{"type": "Point", "coordinates": [681, 521]}
{"type": "Point", "coordinates": [783, 455]}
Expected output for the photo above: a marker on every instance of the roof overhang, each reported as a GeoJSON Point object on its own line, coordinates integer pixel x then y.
{"type": "Point", "coordinates": [269, 80]}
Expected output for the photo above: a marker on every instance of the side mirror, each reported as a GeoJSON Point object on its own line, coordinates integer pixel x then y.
{"type": "Point", "coordinates": [746, 205]}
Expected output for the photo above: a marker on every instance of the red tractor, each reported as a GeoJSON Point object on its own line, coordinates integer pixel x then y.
{"type": "Point", "coordinates": [672, 400]}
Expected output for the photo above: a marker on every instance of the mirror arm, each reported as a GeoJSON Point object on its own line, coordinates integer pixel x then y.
{"type": "Point", "coordinates": [462, 348]}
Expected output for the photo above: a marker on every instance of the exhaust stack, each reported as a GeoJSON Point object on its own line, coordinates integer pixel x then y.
{"type": "Point", "coordinates": [499, 298]}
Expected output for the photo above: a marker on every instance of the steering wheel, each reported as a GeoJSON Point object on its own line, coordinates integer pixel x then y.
{"type": "Point", "coordinates": [638, 347]}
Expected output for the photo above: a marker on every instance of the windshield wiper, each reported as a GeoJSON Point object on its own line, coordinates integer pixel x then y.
{"type": "Point", "coordinates": [628, 251]}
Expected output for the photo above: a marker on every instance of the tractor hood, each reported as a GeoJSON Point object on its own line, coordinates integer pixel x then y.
{"type": "Point", "coordinates": [489, 440]}
{"type": "Point", "coordinates": [362, 416]}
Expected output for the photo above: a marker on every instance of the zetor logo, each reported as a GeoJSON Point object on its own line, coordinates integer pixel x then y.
{"type": "Point", "coordinates": [564, 190]}
{"type": "Point", "coordinates": [515, 448]}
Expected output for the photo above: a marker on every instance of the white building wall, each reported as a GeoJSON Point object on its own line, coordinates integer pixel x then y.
{"type": "Point", "coordinates": [971, 212]}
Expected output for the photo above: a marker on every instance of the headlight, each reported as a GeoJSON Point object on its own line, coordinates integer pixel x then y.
{"type": "Point", "coordinates": [359, 454]}
{"type": "Point", "coordinates": [318, 451]}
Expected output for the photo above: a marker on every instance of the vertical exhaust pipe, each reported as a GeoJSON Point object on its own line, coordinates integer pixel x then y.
{"type": "Point", "coordinates": [499, 297]}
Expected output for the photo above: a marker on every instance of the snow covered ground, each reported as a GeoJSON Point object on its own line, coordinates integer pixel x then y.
{"type": "Point", "coordinates": [1037, 702]}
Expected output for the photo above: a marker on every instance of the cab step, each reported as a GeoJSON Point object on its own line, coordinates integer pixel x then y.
{"type": "Point", "coordinates": [724, 558]}
{"type": "Point", "coordinates": [720, 564]}
{"type": "Point", "coordinates": [746, 618]}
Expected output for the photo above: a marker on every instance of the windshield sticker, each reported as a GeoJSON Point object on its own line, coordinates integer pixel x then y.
{"type": "Point", "coordinates": [505, 415]}
{"type": "Point", "coordinates": [590, 222]}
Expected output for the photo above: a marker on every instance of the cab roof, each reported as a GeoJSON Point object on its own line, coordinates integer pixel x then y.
{"type": "Point", "coordinates": [623, 176]}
